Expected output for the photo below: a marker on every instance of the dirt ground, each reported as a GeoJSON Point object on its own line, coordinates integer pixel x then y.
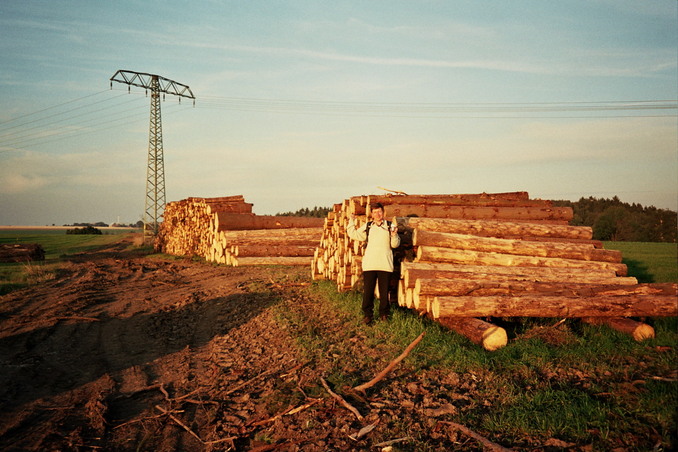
{"type": "Point", "coordinates": [125, 352]}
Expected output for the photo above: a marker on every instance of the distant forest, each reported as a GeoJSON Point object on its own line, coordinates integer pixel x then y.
{"type": "Point", "coordinates": [316, 212]}
{"type": "Point", "coordinates": [611, 219]}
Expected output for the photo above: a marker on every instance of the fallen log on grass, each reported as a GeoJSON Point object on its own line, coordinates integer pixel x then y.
{"type": "Point", "coordinates": [638, 330]}
{"type": "Point", "coordinates": [485, 334]}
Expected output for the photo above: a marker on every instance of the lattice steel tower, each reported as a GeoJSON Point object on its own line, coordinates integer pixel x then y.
{"type": "Point", "coordinates": [155, 173]}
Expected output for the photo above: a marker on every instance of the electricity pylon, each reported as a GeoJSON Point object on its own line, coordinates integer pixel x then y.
{"type": "Point", "coordinates": [155, 173]}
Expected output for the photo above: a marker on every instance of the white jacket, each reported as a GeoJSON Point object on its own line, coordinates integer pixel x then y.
{"type": "Point", "coordinates": [379, 253]}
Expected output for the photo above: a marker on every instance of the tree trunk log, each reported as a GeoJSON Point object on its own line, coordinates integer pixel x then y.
{"type": "Point", "coordinates": [554, 215]}
{"type": "Point", "coordinates": [490, 337]}
{"type": "Point", "coordinates": [517, 247]}
{"type": "Point", "coordinates": [438, 254]}
{"type": "Point", "coordinates": [270, 260]}
{"type": "Point", "coordinates": [225, 221]}
{"type": "Point", "coordinates": [638, 330]}
{"type": "Point", "coordinates": [500, 229]}
{"type": "Point", "coordinates": [630, 305]}
{"type": "Point", "coordinates": [462, 287]}
{"type": "Point", "coordinates": [272, 250]}
{"type": "Point", "coordinates": [411, 271]}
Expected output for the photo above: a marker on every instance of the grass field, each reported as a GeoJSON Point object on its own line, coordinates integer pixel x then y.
{"type": "Point", "coordinates": [649, 262]}
{"type": "Point", "coordinates": [57, 245]}
{"type": "Point", "coordinates": [587, 386]}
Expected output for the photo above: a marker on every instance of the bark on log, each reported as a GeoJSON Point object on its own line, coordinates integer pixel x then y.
{"type": "Point", "coordinates": [501, 229]}
{"type": "Point", "coordinates": [271, 260]}
{"type": "Point", "coordinates": [411, 271]}
{"type": "Point", "coordinates": [555, 215]}
{"type": "Point", "coordinates": [485, 334]}
{"type": "Point", "coordinates": [272, 250]}
{"type": "Point", "coordinates": [518, 247]}
{"type": "Point", "coordinates": [410, 276]}
{"type": "Point", "coordinates": [462, 287]}
{"type": "Point", "coordinates": [556, 306]}
{"type": "Point", "coordinates": [638, 330]}
{"type": "Point", "coordinates": [438, 254]}
{"type": "Point", "coordinates": [273, 234]}
{"type": "Point", "coordinates": [225, 221]}
{"type": "Point", "coordinates": [449, 199]}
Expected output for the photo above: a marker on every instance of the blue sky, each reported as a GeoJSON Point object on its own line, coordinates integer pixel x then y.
{"type": "Point", "coordinates": [306, 103]}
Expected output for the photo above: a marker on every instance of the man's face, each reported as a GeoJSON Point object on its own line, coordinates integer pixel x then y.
{"type": "Point", "coordinates": [377, 215]}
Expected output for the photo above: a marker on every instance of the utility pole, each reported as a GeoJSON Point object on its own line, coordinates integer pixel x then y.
{"type": "Point", "coordinates": [155, 173]}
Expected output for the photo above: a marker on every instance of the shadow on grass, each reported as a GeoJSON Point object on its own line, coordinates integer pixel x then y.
{"type": "Point", "coordinates": [639, 270]}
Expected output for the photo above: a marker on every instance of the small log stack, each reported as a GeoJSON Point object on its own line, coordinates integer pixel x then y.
{"type": "Point", "coordinates": [21, 252]}
{"type": "Point", "coordinates": [468, 258]}
{"type": "Point", "coordinates": [224, 230]}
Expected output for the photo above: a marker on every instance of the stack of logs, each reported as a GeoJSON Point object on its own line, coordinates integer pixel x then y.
{"type": "Point", "coordinates": [224, 230]}
{"type": "Point", "coordinates": [465, 258]}
{"type": "Point", "coordinates": [21, 252]}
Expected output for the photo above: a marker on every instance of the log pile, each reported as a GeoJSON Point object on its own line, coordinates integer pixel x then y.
{"type": "Point", "coordinates": [21, 252]}
{"type": "Point", "coordinates": [224, 230]}
{"type": "Point", "coordinates": [465, 258]}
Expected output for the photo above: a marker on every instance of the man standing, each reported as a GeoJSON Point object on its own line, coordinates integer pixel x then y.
{"type": "Point", "coordinates": [381, 237]}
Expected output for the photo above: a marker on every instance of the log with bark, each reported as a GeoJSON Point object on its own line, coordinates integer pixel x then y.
{"type": "Point", "coordinates": [638, 330]}
{"type": "Point", "coordinates": [480, 332]}
{"type": "Point", "coordinates": [662, 304]}
{"type": "Point", "coordinates": [411, 271]}
{"type": "Point", "coordinates": [500, 229]}
{"type": "Point", "coordinates": [439, 254]}
{"type": "Point", "coordinates": [226, 221]}
{"type": "Point", "coordinates": [585, 252]}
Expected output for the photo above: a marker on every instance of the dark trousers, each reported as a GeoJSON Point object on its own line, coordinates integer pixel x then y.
{"type": "Point", "coordinates": [370, 279]}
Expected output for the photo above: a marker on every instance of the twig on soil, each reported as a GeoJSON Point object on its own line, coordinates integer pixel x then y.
{"type": "Point", "coordinates": [392, 441]}
{"type": "Point", "coordinates": [242, 385]}
{"type": "Point", "coordinates": [191, 432]}
{"type": "Point", "coordinates": [287, 413]}
{"type": "Point", "coordinates": [487, 444]}
{"type": "Point", "coordinates": [341, 400]}
{"type": "Point", "coordinates": [391, 365]}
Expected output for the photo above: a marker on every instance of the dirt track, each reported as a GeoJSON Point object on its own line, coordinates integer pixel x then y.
{"type": "Point", "coordinates": [87, 357]}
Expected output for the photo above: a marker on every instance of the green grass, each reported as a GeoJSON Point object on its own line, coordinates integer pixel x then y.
{"type": "Point", "coordinates": [57, 247]}
{"type": "Point", "coordinates": [592, 386]}
{"type": "Point", "coordinates": [648, 261]}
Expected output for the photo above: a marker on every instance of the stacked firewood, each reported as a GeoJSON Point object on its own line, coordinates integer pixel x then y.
{"type": "Point", "coordinates": [224, 230]}
{"type": "Point", "coordinates": [465, 258]}
{"type": "Point", "coordinates": [21, 252]}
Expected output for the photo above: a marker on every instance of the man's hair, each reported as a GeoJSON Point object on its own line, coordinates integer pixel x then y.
{"type": "Point", "coordinates": [377, 205]}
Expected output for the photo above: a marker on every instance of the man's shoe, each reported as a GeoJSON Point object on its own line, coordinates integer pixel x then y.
{"type": "Point", "coordinates": [383, 318]}
{"type": "Point", "coordinates": [367, 320]}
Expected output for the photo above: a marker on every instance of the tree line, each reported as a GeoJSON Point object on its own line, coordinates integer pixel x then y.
{"type": "Point", "coordinates": [316, 212]}
{"type": "Point", "coordinates": [612, 219]}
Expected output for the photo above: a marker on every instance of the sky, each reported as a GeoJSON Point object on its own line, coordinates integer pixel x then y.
{"type": "Point", "coordinates": [307, 103]}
